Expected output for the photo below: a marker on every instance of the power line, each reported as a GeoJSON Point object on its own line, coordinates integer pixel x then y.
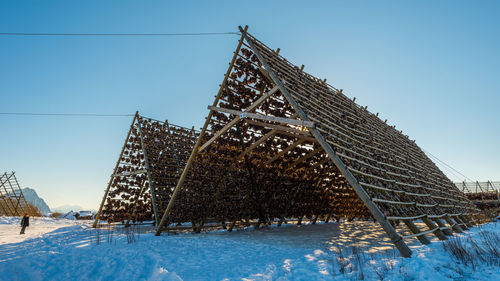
{"type": "Point", "coordinates": [116, 34]}
{"type": "Point", "coordinates": [445, 166]}
{"type": "Point", "coordinates": [449, 168]}
{"type": "Point", "coordinates": [65, 114]}
{"type": "Point", "coordinates": [458, 172]}
{"type": "Point", "coordinates": [455, 174]}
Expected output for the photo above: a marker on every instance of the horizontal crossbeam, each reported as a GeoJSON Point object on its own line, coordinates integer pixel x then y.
{"type": "Point", "coordinates": [278, 127]}
{"type": "Point", "coordinates": [245, 114]}
{"type": "Point", "coordinates": [229, 125]}
{"type": "Point", "coordinates": [124, 174]}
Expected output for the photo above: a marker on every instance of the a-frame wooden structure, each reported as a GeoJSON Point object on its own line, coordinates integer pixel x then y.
{"type": "Point", "coordinates": [279, 142]}
{"type": "Point", "coordinates": [146, 172]}
{"type": "Point", "coordinates": [12, 200]}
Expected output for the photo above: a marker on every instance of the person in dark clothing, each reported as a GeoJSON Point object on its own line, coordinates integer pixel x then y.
{"type": "Point", "coordinates": [25, 222]}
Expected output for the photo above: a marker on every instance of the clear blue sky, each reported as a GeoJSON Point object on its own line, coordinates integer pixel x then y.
{"type": "Point", "coordinates": [429, 67]}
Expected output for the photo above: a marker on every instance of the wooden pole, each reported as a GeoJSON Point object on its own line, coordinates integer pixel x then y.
{"type": "Point", "coordinates": [441, 224]}
{"type": "Point", "coordinates": [98, 215]}
{"type": "Point", "coordinates": [7, 198]}
{"type": "Point", "coordinates": [414, 229]}
{"type": "Point", "coordinates": [17, 197]}
{"type": "Point", "coordinates": [3, 198]}
{"type": "Point", "coordinates": [436, 232]}
{"type": "Point", "coordinates": [315, 218]}
{"type": "Point", "coordinates": [231, 226]}
{"type": "Point", "coordinates": [27, 207]}
{"type": "Point", "coordinates": [461, 222]}
{"type": "Point", "coordinates": [455, 226]}
{"type": "Point", "coordinates": [300, 220]}
{"type": "Point", "coordinates": [198, 142]}
{"type": "Point", "coordinates": [466, 221]}
{"type": "Point", "coordinates": [363, 195]}
{"type": "Point", "coordinates": [150, 180]}
{"type": "Point", "coordinates": [14, 194]}
{"type": "Point", "coordinates": [328, 217]}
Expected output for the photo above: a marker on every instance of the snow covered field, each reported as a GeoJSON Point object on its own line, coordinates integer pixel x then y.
{"type": "Point", "coordinates": [68, 250]}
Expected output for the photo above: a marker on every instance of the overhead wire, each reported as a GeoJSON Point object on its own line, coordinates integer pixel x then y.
{"type": "Point", "coordinates": [65, 114]}
{"type": "Point", "coordinates": [116, 34]}
{"type": "Point", "coordinates": [447, 165]}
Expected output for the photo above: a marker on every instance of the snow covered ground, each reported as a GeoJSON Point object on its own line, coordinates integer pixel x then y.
{"type": "Point", "coordinates": [10, 228]}
{"type": "Point", "coordinates": [69, 250]}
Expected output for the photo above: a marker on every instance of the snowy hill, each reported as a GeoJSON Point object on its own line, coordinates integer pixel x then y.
{"type": "Point", "coordinates": [33, 198]}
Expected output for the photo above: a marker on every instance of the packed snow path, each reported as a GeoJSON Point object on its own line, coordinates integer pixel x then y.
{"type": "Point", "coordinates": [68, 250]}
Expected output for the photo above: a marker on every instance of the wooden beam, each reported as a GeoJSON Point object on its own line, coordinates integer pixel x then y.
{"type": "Point", "coordinates": [284, 151]}
{"type": "Point", "coordinates": [436, 231]}
{"type": "Point", "coordinates": [460, 222]}
{"type": "Point", "coordinates": [125, 174]}
{"type": "Point", "coordinates": [441, 224]}
{"type": "Point", "coordinates": [327, 219]}
{"type": "Point", "coordinates": [231, 226]}
{"type": "Point", "coordinates": [278, 127]}
{"type": "Point", "coordinates": [7, 197]}
{"type": "Point", "coordinates": [259, 142]}
{"type": "Point", "coordinates": [219, 133]}
{"type": "Point", "coordinates": [246, 114]}
{"type": "Point", "coordinates": [466, 221]}
{"type": "Point", "coordinates": [265, 74]}
{"type": "Point", "coordinates": [299, 222]}
{"type": "Point", "coordinates": [21, 200]}
{"type": "Point", "coordinates": [414, 229]}
{"type": "Point", "coordinates": [324, 161]}
{"type": "Point", "coordinates": [302, 137]}
{"type": "Point", "coordinates": [13, 194]}
{"type": "Point", "coordinates": [229, 125]}
{"type": "Point", "coordinates": [150, 180]}
{"type": "Point", "coordinates": [363, 195]}
{"type": "Point", "coordinates": [455, 225]}
{"type": "Point", "coordinates": [307, 156]}
{"type": "Point", "coordinates": [270, 134]}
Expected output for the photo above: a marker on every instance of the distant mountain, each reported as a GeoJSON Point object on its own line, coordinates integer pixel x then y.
{"type": "Point", "coordinates": [32, 197]}
{"type": "Point", "coordinates": [67, 208]}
